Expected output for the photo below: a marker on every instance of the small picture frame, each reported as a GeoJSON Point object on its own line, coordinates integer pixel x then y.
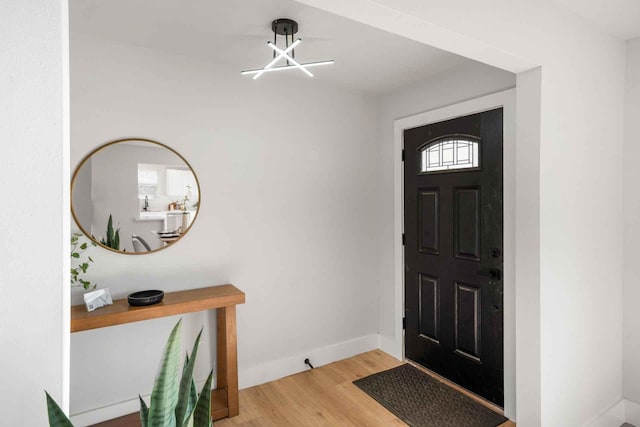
{"type": "Point", "coordinates": [97, 299]}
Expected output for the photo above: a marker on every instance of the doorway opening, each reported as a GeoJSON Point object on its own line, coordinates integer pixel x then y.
{"type": "Point", "coordinates": [457, 214]}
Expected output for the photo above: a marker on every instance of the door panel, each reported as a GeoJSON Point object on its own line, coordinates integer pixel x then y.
{"type": "Point", "coordinates": [466, 233]}
{"type": "Point", "coordinates": [453, 226]}
{"type": "Point", "coordinates": [467, 320]}
{"type": "Point", "coordinates": [428, 307]}
{"type": "Point", "coordinates": [428, 225]}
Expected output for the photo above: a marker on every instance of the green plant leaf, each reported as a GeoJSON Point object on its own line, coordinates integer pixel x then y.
{"type": "Point", "coordinates": [144, 413]}
{"type": "Point", "coordinates": [57, 417]}
{"type": "Point", "coordinates": [75, 255]}
{"type": "Point", "coordinates": [191, 402]}
{"type": "Point", "coordinates": [83, 246]}
{"type": "Point", "coordinates": [109, 229]}
{"type": "Point", "coordinates": [202, 414]}
{"type": "Point", "coordinates": [164, 397]}
{"type": "Point", "coordinates": [185, 383]}
{"type": "Point", "coordinates": [193, 396]}
{"type": "Point", "coordinates": [189, 421]}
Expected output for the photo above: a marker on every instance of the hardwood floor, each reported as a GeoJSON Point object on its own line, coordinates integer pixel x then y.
{"type": "Point", "coordinates": [324, 396]}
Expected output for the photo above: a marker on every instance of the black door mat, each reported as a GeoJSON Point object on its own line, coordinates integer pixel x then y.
{"type": "Point", "coordinates": [422, 401]}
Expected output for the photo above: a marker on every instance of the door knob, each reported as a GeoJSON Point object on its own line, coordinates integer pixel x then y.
{"type": "Point", "coordinates": [495, 253]}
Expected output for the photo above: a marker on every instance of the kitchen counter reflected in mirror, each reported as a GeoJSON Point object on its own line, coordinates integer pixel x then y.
{"type": "Point", "coordinates": [134, 196]}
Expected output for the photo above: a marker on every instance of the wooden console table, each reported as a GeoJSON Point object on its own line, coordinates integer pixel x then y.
{"type": "Point", "coordinates": [224, 298]}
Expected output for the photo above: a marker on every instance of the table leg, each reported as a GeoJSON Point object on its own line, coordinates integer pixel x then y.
{"type": "Point", "coordinates": [227, 353]}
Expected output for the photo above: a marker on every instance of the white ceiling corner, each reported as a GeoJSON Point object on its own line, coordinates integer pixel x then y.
{"type": "Point", "coordinates": [620, 18]}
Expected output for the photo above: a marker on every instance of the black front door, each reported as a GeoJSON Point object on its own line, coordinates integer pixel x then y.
{"type": "Point", "coordinates": [453, 250]}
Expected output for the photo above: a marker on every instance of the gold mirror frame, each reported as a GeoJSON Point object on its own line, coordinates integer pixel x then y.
{"type": "Point", "coordinates": [132, 139]}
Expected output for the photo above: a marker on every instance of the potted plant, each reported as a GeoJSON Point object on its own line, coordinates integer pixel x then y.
{"type": "Point", "coordinates": [112, 239]}
{"type": "Point", "coordinates": [174, 401]}
{"type": "Point", "coordinates": [78, 247]}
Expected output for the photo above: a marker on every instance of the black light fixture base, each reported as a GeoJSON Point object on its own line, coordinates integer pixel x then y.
{"type": "Point", "coordinates": [284, 27]}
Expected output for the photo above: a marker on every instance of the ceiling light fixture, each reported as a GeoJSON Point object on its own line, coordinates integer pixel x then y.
{"type": "Point", "coordinates": [287, 28]}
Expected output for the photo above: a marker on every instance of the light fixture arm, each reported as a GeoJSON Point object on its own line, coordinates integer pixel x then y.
{"type": "Point", "coordinates": [287, 28]}
{"type": "Point", "coordinates": [290, 58]}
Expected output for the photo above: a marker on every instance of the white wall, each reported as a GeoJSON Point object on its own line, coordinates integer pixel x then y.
{"type": "Point", "coordinates": [632, 225]}
{"type": "Point", "coordinates": [285, 213]}
{"type": "Point", "coordinates": [580, 241]}
{"type": "Point", "coordinates": [34, 276]}
{"type": "Point", "coordinates": [527, 307]}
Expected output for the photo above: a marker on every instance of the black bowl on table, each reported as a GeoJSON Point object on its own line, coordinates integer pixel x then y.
{"type": "Point", "coordinates": [142, 298]}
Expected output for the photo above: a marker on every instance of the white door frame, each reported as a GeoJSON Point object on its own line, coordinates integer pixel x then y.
{"type": "Point", "coordinates": [507, 100]}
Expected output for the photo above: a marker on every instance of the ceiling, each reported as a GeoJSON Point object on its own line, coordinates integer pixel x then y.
{"type": "Point", "coordinates": [620, 18]}
{"type": "Point", "coordinates": [235, 32]}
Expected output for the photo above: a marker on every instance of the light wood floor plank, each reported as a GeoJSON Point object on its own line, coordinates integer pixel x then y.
{"type": "Point", "coordinates": [324, 396]}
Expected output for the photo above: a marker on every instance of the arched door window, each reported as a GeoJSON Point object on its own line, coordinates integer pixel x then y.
{"type": "Point", "coordinates": [450, 153]}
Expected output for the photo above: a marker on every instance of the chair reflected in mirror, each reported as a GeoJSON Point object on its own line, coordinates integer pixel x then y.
{"type": "Point", "coordinates": [139, 244]}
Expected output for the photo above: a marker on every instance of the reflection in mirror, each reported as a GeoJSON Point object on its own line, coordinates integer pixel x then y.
{"type": "Point", "coordinates": [134, 196]}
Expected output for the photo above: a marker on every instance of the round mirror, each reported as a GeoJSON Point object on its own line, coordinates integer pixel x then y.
{"type": "Point", "coordinates": [134, 196]}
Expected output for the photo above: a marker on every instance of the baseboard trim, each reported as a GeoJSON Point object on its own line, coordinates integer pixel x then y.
{"type": "Point", "coordinates": [109, 412]}
{"type": "Point", "coordinates": [612, 417]}
{"type": "Point", "coordinates": [624, 411]}
{"type": "Point", "coordinates": [98, 415]}
{"type": "Point", "coordinates": [249, 376]}
{"type": "Point", "coordinates": [632, 412]}
{"type": "Point", "coordinates": [280, 368]}
{"type": "Point", "coordinates": [390, 346]}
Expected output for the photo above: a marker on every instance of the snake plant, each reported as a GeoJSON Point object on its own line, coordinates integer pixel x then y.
{"type": "Point", "coordinates": [113, 236]}
{"type": "Point", "coordinates": [57, 417]}
{"type": "Point", "coordinates": [174, 402]}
